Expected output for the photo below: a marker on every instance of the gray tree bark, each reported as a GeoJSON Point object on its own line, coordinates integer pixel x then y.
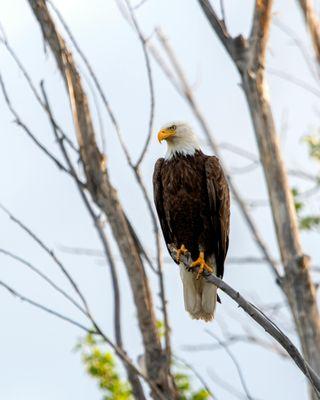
{"type": "Point", "coordinates": [105, 196]}
{"type": "Point", "coordinates": [249, 55]}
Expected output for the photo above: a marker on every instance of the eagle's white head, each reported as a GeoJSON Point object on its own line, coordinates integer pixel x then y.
{"type": "Point", "coordinates": [180, 139]}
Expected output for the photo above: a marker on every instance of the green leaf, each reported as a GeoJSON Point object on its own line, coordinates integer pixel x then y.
{"type": "Point", "coordinates": [101, 365]}
{"type": "Point", "coordinates": [298, 204]}
{"type": "Point", "coordinates": [160, 328]}
{"type": "Point", "coordinates": [313, 142]}
{"type": "Point", "coordinates": [309, 222]}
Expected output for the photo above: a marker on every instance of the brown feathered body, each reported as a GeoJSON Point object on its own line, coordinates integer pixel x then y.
{"type": "Point", "coordinates": [192, 199]}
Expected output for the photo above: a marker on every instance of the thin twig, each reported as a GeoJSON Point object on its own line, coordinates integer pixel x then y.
{"type": "Point", "coordinates": [20, 123]}
{"type": "Point", "coordinates": [300, 46]}
{"type": "Point", "coordinates": [107, 249]}
{"type": "Point", "coordinates": [150, 83]}
{"type": "Point", "coordinates": [235, 362]}
{"type": "Point", "coordinates": [45, 308]}
{"type": "Point", "coordinates": [49, 252]}
{"type": "Point", "coordinates": [96, 331]}
{"type": "Point", "coordinates": [225, 384]}
{"type": "Point", "coordinates": [111, 114]}
{"type": "Point", "coordinates": [28, 79]}
{"type": "Point", "coordinates": [141, 3]}
{"type": "Point", "coordinates": [234, 339]}
{"type": "Point", "coordinates": [45, 278]}
{"type": "Point", "coordinates": [240, 151]}
{"type": "Point", "coordinates": [294, 80]}
{"type": "Point", "coordinates": [197, 374]}
{"type": "Point", "coordinates": [223, 12]}
{"type": "Point", "coordinates": [91, 71]}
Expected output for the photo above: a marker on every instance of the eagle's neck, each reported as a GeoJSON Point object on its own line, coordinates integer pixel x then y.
{"type": "Point", "coordinates": [182, 146]}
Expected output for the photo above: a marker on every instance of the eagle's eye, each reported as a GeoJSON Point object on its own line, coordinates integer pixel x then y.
{"type": "Point", "coordinates": [173, 127]}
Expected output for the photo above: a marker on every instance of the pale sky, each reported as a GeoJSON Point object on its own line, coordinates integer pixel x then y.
{"type": "Point", "coordinates": [37, 358]}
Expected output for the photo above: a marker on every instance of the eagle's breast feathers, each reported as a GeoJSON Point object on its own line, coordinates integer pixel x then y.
{"type": "Point", "coordinates": [192, 199]}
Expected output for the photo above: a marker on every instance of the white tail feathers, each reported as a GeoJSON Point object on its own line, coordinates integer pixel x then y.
{"type": "Point", "coordinates": [200, 297]}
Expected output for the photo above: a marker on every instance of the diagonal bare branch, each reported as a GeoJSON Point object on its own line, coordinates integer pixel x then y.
{"type": "Point", "coordinates": [44, 277]}
{"type": "Point", "coordinates": [45, 308]}
{"type": "Point", "coordinates": [217, 24]}
{"type": "Point", "coordinates": [297, 283]}
{"type": "Point", "coordinates": [50, 253]}
{"type": "Point", "coordinates": [28, 131]}
{"type": "Point", "coordinates": [257, 315]}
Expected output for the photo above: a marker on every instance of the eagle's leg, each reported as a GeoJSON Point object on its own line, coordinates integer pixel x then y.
{"type": "Point", "coordinates": [200, 262]}
{"type": "Point", "coordinates": [182, 250]}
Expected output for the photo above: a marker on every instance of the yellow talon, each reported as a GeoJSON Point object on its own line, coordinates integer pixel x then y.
{"type": "Point", "coordinates": [200, 261]}
{"type": "Point", "coordinates": [182, 250]}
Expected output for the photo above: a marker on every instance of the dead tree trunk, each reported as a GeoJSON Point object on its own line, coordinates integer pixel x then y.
{"type": "Point", "coordinates": [249, 56]}
{"type": "Point", "coordinates": [105, 196]}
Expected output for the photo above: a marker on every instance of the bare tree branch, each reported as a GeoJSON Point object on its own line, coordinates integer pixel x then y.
{"type": "Point", "coordinates": [238, 338]}
{"type": "Point", "coordinates": [150, 82]}
{"type": "Point", "coordinates": [51, 255]}
{"type": "Point", "coordinates": [294, 80]}
{"type": "Point", "coordinates": [250, 59]}
{"type": "Point", "coordinates": [138, 177]}
{"type": "Point", "coordinates": [235, 362]}
{"type": "Point", "coordinates": [21, 124]}
{"type": "Point", "coordinates": [312, 23]}
{"type": "Point", "coordinates": [45, 278]}
{"type": "Point", "coordinates": [218, 25]}
{"type": "Point", "coordinates": [140, 4]}
{"type": "Point", "coordinates": [301, 47]}
{"type": "Point", "coordinates": [224, 384]}
{"type": "Point", "coordinates": [104, 195]}
{"type": "Point", "coordinates": [197, 374]}
{"type": "Point", "coordinates": [96, 331]}
{"type": "Point", "coordinates": [135, 168]}
{"type": "Point", "coordinates": [87, 63]}
{"type": "Point", "coordinates": [133, 378]}
{"type": "Point", "coordinates": [260, 318]}
{"type": "Point", "coordinates": [113, 119]}
{"type": "Point", "coordinates": [34, 90]}
{"type": "Point", "coordinates": [45, 308]}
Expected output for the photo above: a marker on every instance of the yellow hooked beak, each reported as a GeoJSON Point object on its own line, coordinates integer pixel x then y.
{"type": "Point", "coordinates": [165, 134]}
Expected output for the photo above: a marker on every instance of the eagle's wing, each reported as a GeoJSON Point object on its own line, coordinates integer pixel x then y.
{"type": "Point", "coordinates": [158, 200]}
{"type": "Point", "coordinates": [219, 200]}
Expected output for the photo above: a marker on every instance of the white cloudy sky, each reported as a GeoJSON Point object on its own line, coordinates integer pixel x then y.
{"type": "Point", "coordinates": [37, 359]}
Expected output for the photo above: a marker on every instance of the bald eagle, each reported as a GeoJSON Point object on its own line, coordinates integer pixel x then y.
{"type": "Point", "coordinates": [192, 199]}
